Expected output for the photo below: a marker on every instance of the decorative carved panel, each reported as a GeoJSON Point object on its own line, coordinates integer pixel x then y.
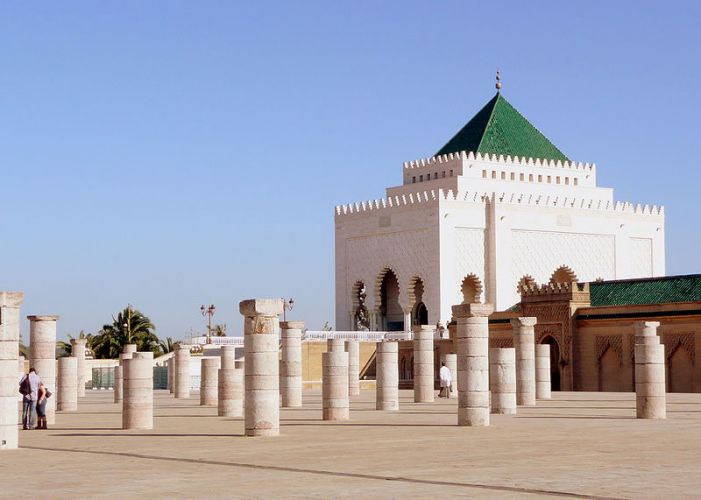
{"type": "Point", "coordinates": [603, 342]}
{"type": "Point", "coordinates": [674, 341]}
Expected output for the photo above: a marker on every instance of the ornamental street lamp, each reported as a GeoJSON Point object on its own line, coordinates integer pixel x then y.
{"type": "Point", "coordinates": [209, 312]}
{"type": "Point", "coordinates": [287, 305]}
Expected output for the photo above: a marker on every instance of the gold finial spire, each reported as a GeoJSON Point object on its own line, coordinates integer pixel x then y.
{"type": "Point", "coordinates": [498, 85]}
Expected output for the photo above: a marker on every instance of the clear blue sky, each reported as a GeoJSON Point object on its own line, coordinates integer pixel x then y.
{"type": "Point", "coordinates": [175, 153]}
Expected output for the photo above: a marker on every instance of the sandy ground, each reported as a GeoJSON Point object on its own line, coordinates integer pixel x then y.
{"type": "Point", "coordinates": [577, 444]}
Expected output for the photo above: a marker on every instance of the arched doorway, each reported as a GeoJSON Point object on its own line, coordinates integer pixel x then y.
{"type": "Point", "coordinates": [554, 361]}
{"type": "Point", "coordinates": [680, 370]}
{"type": "Point", "coordinates": [419, 313]}
{"type": "Point", "coordinates": [610, 379]}
{"type": "Point", "coordinates": [471, 288]}
{"type": "Point", "coordinates": [391, 314]}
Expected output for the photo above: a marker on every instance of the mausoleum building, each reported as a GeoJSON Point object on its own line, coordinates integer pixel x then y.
{"type": "Point", "coordinates": [496, 209]}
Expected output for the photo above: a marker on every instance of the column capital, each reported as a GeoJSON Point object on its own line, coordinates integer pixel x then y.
{"type": "Point", "coordinates": [291, 325]}
{"type": "Point", "coordinates": [423, 328]}
{"type": "Point", "coordinates": [643, 325]}
{"type": "Point", "coordinates": [79, 341]}
{"type": "Point", "coordinates": [474, 310]}
{"type": "Point", "coordinates": [261, 307]}
{"type": "Point", "coordinates": [11, 299]}
{"type": "Point", "coordinates": [524, 321]}
{"type": "Point", "coordinates": [43, 318]}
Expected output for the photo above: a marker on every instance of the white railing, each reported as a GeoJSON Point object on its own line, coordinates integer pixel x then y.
{"type": "Point", "coordinates": [364, 336]}
{"type": "Point", "coordinates": [237, 341]}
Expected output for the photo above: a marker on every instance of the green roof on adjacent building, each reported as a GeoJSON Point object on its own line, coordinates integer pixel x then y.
{"type": "Point", "coordinates": [498, 128]}
{"type": "Point", "coordinates": [686, 288]}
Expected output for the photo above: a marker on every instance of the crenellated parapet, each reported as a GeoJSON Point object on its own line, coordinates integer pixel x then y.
{"type": "Point", "coordinates": [548, 292]}
{"type": "Point", "coordinates": [512, 198]}
{"type": "Point", "coordinates": [501, 159]}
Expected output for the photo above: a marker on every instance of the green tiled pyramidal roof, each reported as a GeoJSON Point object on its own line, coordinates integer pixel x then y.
{"type": "Point", "coordinates": [498, 128]}
{"type": "Point", "coordinates": [686, 288]}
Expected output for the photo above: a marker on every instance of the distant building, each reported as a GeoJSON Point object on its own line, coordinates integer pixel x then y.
{"type": "Point", "coordinates": [497, 209]}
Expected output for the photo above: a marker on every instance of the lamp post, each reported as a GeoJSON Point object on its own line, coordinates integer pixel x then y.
{"type": "Point", "coordinates": [209, 312]}
{"type": "Point", "coordinates": [287, 305]}
{"type": "Point", "coordinates": [127, 324]}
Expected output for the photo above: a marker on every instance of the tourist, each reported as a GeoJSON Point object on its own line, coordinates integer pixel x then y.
{"type": "Point", "coordinates": [42, 397]}
{"type": "Point", "coordinates": [29, 387]}
{"type": "Point", "coordinates": [446, 381]}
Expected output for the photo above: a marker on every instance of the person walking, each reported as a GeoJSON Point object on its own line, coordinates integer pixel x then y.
{"type": "Point", "coordinates": [446, 381]}
{"type": "Point", "coordinates": [29, 388]}
{"type": "Point", "coordinates": [42, 397]}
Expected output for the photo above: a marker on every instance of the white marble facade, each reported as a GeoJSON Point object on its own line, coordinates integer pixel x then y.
{"type": "Point", "coordinates": [487, 222]}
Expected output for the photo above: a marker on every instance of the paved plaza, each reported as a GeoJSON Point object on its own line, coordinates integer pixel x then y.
{"type": "Point", "coordinates": [577, 444]}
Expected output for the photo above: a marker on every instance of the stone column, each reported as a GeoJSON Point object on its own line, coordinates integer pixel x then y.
{"type": "Point", "coordinates": [119, 383]}
{"type": "Point", "coordinates": [42, 353]}
{"type": "Point", "coordinates": [228, 357]}
{"type": "Point", "coordinates": [230, 385]}
{"type": "Point", "coordinates": [407, 320]}
{"type": "Point", "coordinates": [650, 394]}
{"type": "Point", "coordinates": [542, 371]}
{"type": "Point", "coordinates": [451, 361]}
{"type": "Point", "coordinates": [262, 384]}
{"type": "Point", "coordinates": [182, 372]}
{"type": "Point", "coordinates": [291, 364]}
{"type": "Point", "coordinates": [473, 363]}
{"type": "Point", "coordinates": [127, 352]}
{"type": "Point", "coordinates": [524, 343]}
{"type": "Point", "coordinates": [334, 373]}
{"type": "Point", "coordinates": [128, 349]}
{"type": "Point", "coordinates": [353, 350]}
{"type": "Point", "coordinates": [137, 406]}
{"type": "Point", "coordinates": [78, 352]}
{"type": "Point", "coordinates": [423, 364]}
{"type": "Point", "coordinates": [208, 381]}
{"type": "Point", "coordinates": [20, 364]}
{"type": "Point", "coordinates": [10, 303]}
{"type": "Point", "coordinates": [502, 380]}
{"type": "Point", "coordinates": [67, 384]}
{"type": "Point", "coordinates": [387, 376]}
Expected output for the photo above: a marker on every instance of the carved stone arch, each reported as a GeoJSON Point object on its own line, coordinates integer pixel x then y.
{"type": "Point", "coordinates": [360, 314]}
{"type": "Point", "coordinates": [411, 289]}
{"type": "Point", "coordinates": [356, 290]}
{"type": "Point", "coordinates": [563, 274]}
{"type": "Point", "coordinates": [377, 291]}
{"type": "Point", "coordinates": [527, 282]}
{"type": "Point", "coordinates": [471, 289]}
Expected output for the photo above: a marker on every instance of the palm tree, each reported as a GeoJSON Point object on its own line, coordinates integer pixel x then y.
{"type": "Point", "coordinates": [130, 326]}
{"type": "Point", "coordinates": [167, 345]}
{"type": "Point", "coordinates": [219, 330]}
{"type": "Point", "coordinates": [23, 349]}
